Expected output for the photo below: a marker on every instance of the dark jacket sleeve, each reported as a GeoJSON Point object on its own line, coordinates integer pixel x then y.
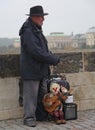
{"type": "Point", "coordinates": [32, 46]}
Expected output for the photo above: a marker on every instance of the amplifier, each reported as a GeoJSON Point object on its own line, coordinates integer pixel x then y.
{"type": "Point", "coordinates": [70, 111]}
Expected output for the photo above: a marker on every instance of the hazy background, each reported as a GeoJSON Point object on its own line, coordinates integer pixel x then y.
{"type": "Point", "coordinates": [66, 16]}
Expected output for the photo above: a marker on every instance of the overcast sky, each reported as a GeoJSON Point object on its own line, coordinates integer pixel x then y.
{"type": "Point", "coordinates": [66, 16]}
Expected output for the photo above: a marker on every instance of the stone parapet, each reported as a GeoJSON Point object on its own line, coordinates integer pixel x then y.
{"type": "Point", "coordinates": [79, 68]}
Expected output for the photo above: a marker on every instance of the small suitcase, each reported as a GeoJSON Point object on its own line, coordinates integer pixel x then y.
{"type": "Point", "coordinates": [70, 111]}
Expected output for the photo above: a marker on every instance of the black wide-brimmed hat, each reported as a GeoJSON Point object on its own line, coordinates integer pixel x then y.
{"type": "Point", "coordinates": [37, 11]}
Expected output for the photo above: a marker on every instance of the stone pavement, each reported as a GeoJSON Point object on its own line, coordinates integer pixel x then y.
{"type": "Point", "coordinates": [85, 121]}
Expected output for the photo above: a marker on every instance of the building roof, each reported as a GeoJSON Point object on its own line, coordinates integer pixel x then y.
{"type": "Point", "coordinates": [57, 34]}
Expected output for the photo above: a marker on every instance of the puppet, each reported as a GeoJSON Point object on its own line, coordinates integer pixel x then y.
{"type": "Point", "coordinates": [53, 102]}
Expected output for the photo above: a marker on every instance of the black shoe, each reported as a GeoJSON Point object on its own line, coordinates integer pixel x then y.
{"type": "Point", "coordinates": [30, 124]}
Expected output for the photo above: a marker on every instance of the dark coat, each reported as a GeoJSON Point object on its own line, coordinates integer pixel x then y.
{"type": "Point", "coordinates": [35, 57]}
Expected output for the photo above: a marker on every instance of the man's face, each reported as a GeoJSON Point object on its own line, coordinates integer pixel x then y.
{"type": "Point", "coordinates": [38, 20]}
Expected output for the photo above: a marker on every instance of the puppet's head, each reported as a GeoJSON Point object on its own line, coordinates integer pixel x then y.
{"type": "Point", "coordinates": [54, 88]}
{"type": "Point", "coordinates": [63, 89]}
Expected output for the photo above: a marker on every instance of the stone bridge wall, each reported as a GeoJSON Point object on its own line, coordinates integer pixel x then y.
{"type": "Point", "coordinates": [79, 68]}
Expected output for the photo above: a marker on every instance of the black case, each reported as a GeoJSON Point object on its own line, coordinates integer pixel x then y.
{"type": "Point", "coordinates": [70, 111]}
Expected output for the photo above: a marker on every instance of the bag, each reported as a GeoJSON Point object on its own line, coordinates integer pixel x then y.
{"type": "Point", "coordinates": [70, 111]}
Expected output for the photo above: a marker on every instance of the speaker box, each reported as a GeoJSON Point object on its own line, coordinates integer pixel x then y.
{"type": "Point", "coordinates": [70, 111]}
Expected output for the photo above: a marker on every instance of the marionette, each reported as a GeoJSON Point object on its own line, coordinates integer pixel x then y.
{"type": "Point", "coordinates": [53, 102]}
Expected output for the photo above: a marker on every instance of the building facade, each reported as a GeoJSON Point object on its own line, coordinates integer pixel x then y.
{"type": "Point", "coordinates": [61, 41]}
{"type": "Point", "coordinates": [90, 36]}
{"type": "Point", "coordinates": [79, 41]}
{"type": "Point", "coordinates": [58, 40]}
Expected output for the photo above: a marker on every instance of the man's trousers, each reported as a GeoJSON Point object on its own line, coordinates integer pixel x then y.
{"type": "Point", "coordinates": [33, 92]}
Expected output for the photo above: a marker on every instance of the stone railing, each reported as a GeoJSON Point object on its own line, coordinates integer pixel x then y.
{"type": "Point", "coordinates": [79, 68]}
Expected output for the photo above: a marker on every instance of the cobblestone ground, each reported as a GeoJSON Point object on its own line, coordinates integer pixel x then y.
{"type": "Point", "coordinates": [85, 121]}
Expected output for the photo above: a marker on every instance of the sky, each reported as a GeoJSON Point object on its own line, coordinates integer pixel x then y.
{"type": "Point", "coordinates": [65, 16]}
